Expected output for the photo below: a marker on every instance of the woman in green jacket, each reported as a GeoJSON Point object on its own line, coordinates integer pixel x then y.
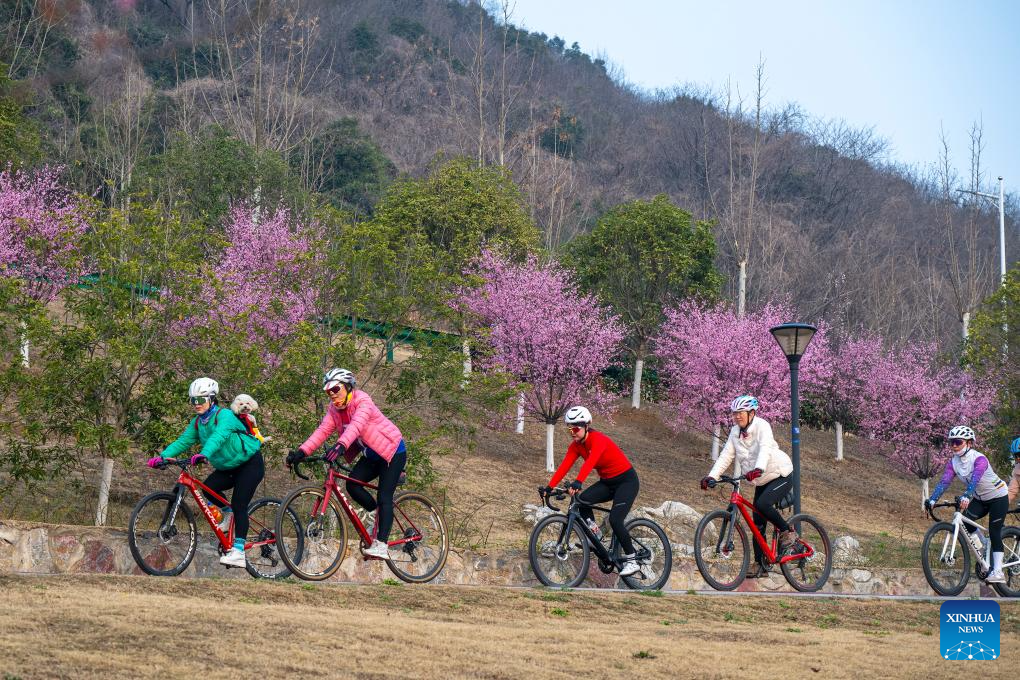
{"type": "Point", "coordinates": [231, 450]}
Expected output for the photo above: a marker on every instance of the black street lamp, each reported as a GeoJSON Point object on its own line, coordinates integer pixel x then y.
{"type": "Point", "coordinates": [793, 339]}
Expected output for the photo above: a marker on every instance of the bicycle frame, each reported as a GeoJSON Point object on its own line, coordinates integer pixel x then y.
{"type": "Point", "coordinates": [959, 519]}
{"type": "Point", "coordinates": [331, 489]}
{"type": "Point", "coordinates": [189, 482]}
{"type": "Point", "coordinates": [574, 517]}
{"type": "Point", "coordinates": [738, 502]}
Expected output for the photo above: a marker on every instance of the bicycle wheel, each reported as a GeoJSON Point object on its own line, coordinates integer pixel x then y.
{"type": "Point", "coordinates": [558, 560]}
{"type": "Point", "coordinates": [262, 555]}
{"type": "Point", "coordinates": [946, 566]}
{"type": "Point", "coordinates": [723, 564]}
{"type": "Point", "coordinates": [310, 537]}
{"type": "Point", "coordinates": [423, 556]}
{"type": "Point", "coordinates": [808, 574]}
{"type": "Point", "coordinates": [654, 554]}
{"type": "Point", "coordinates": [162, 545]}
{"type": "Point", "coordinates": [1010, 563]}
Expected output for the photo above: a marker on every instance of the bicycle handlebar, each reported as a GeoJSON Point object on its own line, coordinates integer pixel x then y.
{"type": "Point", "coordinates": [728, 480]}
{"type": "Point", "coordinates": [955, 504]}
{"type": "Point", "coordinates": [558, 492]}
{"type": "Point", "coordinates": [336, 464]}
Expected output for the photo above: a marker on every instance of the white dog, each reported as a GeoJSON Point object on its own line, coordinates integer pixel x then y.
{"type": "Point", "coordinates": [243, 406]}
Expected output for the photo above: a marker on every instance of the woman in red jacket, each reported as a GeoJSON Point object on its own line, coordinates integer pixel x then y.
{"type": "Point", "coordinates": [618, 481]}
{"type": "Point", "coordinates": [355, 416]}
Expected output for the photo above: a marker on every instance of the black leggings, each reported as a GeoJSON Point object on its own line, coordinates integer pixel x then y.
{"type": "Point", "coordinates": [622, 490]}
{"type": "Point", "coordinates": [370, 466]}
{"type": "Point", "coordinates": [765, 499]}
{"type": "Point", "coordinates": [996, 510]}
{"type": "Point", "coordinates": [244, 480]}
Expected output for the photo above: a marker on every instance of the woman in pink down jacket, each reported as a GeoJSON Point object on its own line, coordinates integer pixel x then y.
{"type": "Point", "coordinates": [361, 426]}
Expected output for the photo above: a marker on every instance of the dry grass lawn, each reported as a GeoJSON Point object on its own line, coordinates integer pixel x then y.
{"type": "Point", "coordinates": [119, 627]}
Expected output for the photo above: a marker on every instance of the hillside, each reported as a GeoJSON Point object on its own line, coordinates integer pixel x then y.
{"type": "Point", "coordinates": [327, 100]}
{"type": "Point", "coordinates": [484, 490]}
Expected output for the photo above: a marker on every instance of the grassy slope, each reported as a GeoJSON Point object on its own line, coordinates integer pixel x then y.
{"type": "Point", "coordinates": [139, 627]}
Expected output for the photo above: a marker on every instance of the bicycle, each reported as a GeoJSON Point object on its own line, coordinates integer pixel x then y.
{"type": "Point", "coordinates": [162, 527]}
{"type": "Point", "coordinates": [723, 561]}
{"type": "Point", "coordinates": [560, 548]}
{"type": "Point", "coordinates": [948, 572]}
{"type": "Point", "coordinates": [418, 555]}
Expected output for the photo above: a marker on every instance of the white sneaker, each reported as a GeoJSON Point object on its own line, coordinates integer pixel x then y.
{"type": "Point", "coordinates": [378, 549]}
{"type": "Point", "coordinates": [234, 558]}
{"type": "Point", "coordinates": [996, 576]}
{"type": "Point", "coordinates": [630, 566]}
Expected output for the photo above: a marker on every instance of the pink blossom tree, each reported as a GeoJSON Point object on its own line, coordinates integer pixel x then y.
{"type": "Point", "coordinates": [551, 340]}
{"type": "Point", "coordinates": [914, 401]}
{"type": "Point", "coordinates": [708, 355]}
{"type": "Point", "coordinates": [838, 386]}
{"type": "Point", "coordinates": [41, 224]}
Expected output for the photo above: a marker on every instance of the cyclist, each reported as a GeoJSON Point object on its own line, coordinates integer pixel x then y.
{"type": "Point", "coordinates": [1014, 477]}
{"type": "Point", "coordinates": [362, 426]}
{"type": "Point", "coordinates": [986, 494]}
{"type": "Point", "coordinates": [764, 465]}
{"type": "Point", "coordinates": [234, 454]}
{"type": "Point", "coordinates": [618, 481]}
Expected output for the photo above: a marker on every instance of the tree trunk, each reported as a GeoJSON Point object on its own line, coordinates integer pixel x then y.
{"type": "Point", "coordinates": [24, 345]}
{"type": "Point", "coordinates": [104, 491]}
{"type": "Point", "coordinates": [742, 290]}
{"type": "Point", "coordinates": [520, 415]}
{"type": "Point", "coordinates": [966, 324]}
{"type": "Point", "coordinates": [839, 440]}
{"type": "Point", "coordinates": [549, 466]}
{"type": "Point", "coordinates": [467, 358]}
{"type": "Point", "coordinates": [715, 442]}
{"type": "Point", "coordinates": [635, 397]}
{"type": "Point", "coordinates": [925, 491]}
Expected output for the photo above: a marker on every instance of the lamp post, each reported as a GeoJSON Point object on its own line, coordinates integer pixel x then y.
{"type": "Point", "coordinates": [793, 339]}
{"type": "Point", "coordinates": [1002, 222]}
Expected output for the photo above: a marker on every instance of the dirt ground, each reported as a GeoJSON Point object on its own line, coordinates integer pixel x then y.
{"type": "Point", "coordinates": [138, 627]}
{"type": "Point", "coordinates": [484, 487]}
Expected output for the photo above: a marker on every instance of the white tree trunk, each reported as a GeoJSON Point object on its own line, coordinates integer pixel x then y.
{"type": "Point", "coordinates": [742, 290]}
{"type": "Point", "coordinates": [466, 348]}
{"type": "Point", "coordinates": [635, 398]}
{"type": "Point", "coordinates": [104, 491]}
{"type": "Point", "coordinates": [24, 345]}
{"type": "Point", "coordinates": [839, 440]}
{"type": "Point", "coordinates": [520, 414]}
{"type": "Point", "coordinates": [715, 442]}
{"type": "Point", "coordinates": [549, 466]}
{"type": "Point", "coordinates": [966, 325]}
{"type": "Point", "coordinates": [925, 491]}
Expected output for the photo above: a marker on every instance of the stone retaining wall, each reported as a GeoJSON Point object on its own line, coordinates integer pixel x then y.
{"type": "Point", "coordinates": [36, 548]}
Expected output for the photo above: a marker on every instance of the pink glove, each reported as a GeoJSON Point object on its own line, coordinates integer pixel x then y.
{"type": "Point", "coordinates": [198, 458]}
{"type": "Point", "coordinates": [155, 461]}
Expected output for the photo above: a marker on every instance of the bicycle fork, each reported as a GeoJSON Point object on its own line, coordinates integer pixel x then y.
{"type": "Point", "coordinates": [724, 545]}
{"type": "Point", "coordinates": [170, 516]}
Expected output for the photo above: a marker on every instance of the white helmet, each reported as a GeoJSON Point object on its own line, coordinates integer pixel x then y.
{"type": "Point", "coordinates": [577, 415]}
{"type": "Point", "coordinates": [961, 432]}
{"type": "Point", "coordinates": [204, 387]}
{"type": "Point", "coordinates": [338, 376]}
{"type": "Point", "coordinates": [744, 403]}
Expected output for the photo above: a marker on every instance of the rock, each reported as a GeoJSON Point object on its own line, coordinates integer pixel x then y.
{"type": "Point", "coordinates": [846, 550]}
{"type": "Point", "coordinates": [32, 553]}
{"type": "Point", "coordinates": [533, 514]}
{"type": "Point", "coordinates": [673, 512]}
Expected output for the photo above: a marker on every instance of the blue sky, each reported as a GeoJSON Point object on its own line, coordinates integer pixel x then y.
{"type": "Point", "coordinates": [907, 68]}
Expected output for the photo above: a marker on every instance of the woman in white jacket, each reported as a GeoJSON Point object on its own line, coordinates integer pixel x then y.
{"type": "Point", "coordinates": [764, 465]}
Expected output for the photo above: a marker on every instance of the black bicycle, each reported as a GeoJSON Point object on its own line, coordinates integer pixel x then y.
{"type": "Point", "coordinates": [561, 545]}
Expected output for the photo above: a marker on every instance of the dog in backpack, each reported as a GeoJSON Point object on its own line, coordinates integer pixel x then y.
{"type": "Point", "coordinates": [243, 406]}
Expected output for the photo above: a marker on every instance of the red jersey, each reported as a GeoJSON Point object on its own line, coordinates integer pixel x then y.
{"type": "Point", "coordinates": [599, 452]}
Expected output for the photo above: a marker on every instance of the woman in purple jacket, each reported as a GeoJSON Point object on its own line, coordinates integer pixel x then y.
{"type": "Point", "coordinates": [361, 426]}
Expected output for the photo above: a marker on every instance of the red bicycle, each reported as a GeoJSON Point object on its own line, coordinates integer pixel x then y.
{"type": "Point", "coordinates": [416, 555]}
{"type": "Point", "coordinates": [720, 546]}
{"type": "Point", "coordinates": [163, 535]}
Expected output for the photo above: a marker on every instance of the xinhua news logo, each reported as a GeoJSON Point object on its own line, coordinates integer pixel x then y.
{"type": "Point", "coordinates": [969, 630]}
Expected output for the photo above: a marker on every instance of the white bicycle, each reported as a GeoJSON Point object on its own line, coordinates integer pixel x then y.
{"type": "Point", "coordinates": [947, 549]}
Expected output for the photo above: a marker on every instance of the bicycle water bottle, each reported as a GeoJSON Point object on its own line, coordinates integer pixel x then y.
{"type": "Point", "coordinates": [977, 543]}
{"type": "Point", "coordinates": [593, 525]}
{"type": "Point", "coordinates": [216, 513]}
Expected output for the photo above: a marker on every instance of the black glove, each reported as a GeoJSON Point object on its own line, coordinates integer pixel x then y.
{"type": "Point", "coordinates": [335, 452]}
{"type": "Point", "coordinates": [929, 504]}
{"type": "Point", "coordinates": [575, 485]}
{"type": "Point", "coordinates": [544, 491]}
{"type": "Point", "coordinates": [707, 483]}
{"type": "Point", "coordinates": [295, 456]}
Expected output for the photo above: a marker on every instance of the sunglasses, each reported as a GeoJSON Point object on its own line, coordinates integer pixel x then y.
{"type": "Point", "coordinates": [957, 442]}
{"type": "Point", "coordinates": [334, 390]}
{"type": "Point", "coordinates": [198, 401]}
{"type": "Point", "coordinates": [574, 429]}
